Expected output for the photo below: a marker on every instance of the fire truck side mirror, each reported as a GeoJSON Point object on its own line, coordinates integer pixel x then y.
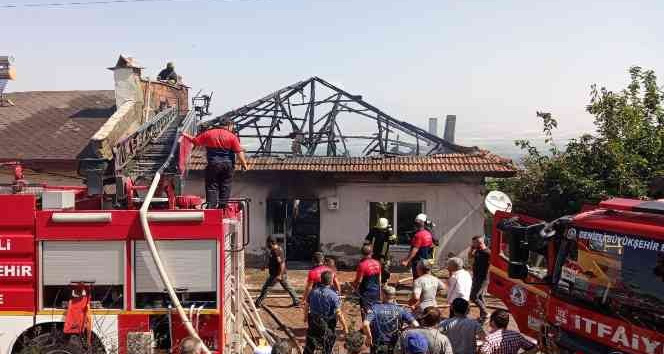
{"type": "Point", "coordinates": [516, 236]}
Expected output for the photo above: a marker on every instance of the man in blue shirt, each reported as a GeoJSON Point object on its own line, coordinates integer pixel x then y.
{"type": "Point", "coordinates": [322, 309]}
{"type": "Point", "coordinates": [384, 321]}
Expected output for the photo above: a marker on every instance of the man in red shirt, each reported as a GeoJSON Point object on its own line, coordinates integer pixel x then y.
{"type": "Point", "coordinates": [421, 246]}
{"type": "Point", "coordinates": [313, 277]}
{"type": "Point", "coordinates": [367, 280]}
{"type": "Point", "coordinates": [222, 146]}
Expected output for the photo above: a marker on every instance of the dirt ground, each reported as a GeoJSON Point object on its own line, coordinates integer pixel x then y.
{"type": "Point", "coordinates": [294, 317]}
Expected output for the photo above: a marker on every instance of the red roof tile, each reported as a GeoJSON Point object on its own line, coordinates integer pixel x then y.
{"type": "Point", "coordinates": [478, 163]}
{"type": "Point", "coordinates": [52, 125]}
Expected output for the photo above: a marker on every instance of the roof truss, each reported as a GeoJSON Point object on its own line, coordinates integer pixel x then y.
{"type": "Point", "coordinates": [316, 118]}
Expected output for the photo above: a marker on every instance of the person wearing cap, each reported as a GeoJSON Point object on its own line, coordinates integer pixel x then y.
{"type": "Point", "coordinates": [415, 343]}
{"type": "Point", "coordinates": [314, 277]}
{"type": "Point", "coordinates": [462, 331]}
{"type": "Point", "coordinates": [168, 74]}
{"type": "Point", "coordinates": [421, 246]}
{"type": "Point", "coordinates": [277, 273]}
{"type": "Point", "coordinates": [460, 281]}
{"type": "Point", "coordinates": [438, 343]}
{"type": "Point", "coordinates": [367, 280]}
{"type": "Point", "coordinates": [222, 146]}
{"type": "Point", "coordinates": [380, 237]}
{"type": "Point", "coordinates": [383, 321]}
{"type": "Point", "coordinates": [425, 287]}
{"type": "Point", "coordinates": [323, 309]}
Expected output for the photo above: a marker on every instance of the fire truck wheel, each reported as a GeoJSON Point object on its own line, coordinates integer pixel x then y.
{"type": "Point", "coordinates": [48, 343]}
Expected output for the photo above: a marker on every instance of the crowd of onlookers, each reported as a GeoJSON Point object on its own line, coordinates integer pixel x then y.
{"type": "Point", "coordinates": [419, 327]}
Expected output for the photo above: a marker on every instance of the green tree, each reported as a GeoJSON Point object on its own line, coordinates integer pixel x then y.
{"type": "Point", "coordinates": [624, 157]}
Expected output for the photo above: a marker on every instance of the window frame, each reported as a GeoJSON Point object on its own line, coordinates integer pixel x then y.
{"type": "Point", "coordinates": [395, 226]}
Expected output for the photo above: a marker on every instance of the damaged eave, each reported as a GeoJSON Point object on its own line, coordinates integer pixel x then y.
{"type": "Point", "coordinates": [481, 164]}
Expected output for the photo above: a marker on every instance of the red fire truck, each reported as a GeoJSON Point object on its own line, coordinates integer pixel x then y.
{"type": "Point", "coordinates": [588, 283]}
{"type": "Point", "coordinates": [54, 253]}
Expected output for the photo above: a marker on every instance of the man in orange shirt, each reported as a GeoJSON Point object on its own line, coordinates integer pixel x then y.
{"type": "Point", "coordinates": [222, 146]}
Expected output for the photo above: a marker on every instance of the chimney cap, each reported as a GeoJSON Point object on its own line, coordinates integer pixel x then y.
{"type": "Point", "coordinates": [126, 62]}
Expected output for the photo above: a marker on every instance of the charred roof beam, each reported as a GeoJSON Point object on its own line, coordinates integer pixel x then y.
{"type": "Point", "coordinates": [328, 126]}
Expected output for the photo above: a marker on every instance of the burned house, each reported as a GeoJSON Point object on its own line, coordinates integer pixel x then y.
{"type": "Point", "coordinates": [318, 180]}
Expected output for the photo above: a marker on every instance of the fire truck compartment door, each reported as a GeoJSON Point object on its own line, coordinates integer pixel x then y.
{"type": "Point", "coordinates": [190, 265]}
{"type": "Point", "coordinates": [98, 261]}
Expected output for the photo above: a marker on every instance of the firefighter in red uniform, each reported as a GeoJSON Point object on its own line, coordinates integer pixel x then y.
{"type": "Point", "coordinates": [367, 280]}
{"type": "Point", "coordinates": [222, 146]}
{"type": "Point", "coordinates": [421, 246]}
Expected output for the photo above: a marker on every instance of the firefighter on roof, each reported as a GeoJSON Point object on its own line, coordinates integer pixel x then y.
{"type": "Point", "coordinates": [222, 147]}
{"type": "Point", "coordinates": [168, 74]}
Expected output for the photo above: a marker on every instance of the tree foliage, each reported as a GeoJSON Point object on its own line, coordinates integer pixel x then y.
{"type": "Point", "coordinates": [624, 157]}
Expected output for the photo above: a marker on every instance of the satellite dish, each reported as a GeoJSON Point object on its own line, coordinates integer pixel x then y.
{"type": "Point", "coordinates": [497, 200]}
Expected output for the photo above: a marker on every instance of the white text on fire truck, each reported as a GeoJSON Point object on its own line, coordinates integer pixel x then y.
{"type": "Point", "coordinates": [618, 335]}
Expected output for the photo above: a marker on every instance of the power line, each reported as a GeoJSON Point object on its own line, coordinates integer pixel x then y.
{"type": "Point", "coordinates": [95, 2]}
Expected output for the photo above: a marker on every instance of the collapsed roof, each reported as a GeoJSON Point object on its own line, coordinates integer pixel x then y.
{"type": "Point", "coordinates": [315, 118]}
{"type": "Point", "coordinates": [313, 126]}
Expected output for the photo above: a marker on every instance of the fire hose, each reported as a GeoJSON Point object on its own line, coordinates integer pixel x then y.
{"type": "Point", "coordinates": [143, 213]}
{"type": "Point", "coordinates": [160, 266]}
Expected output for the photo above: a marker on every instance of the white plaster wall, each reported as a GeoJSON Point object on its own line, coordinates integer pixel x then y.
{"type": "Point", "coordinates": [258, 193]}
{"type": "Point", "coordinates": [455, 208]}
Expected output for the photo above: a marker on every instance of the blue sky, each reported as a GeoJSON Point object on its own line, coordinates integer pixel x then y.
{"type": "Point", "coordinates": [492, 63]}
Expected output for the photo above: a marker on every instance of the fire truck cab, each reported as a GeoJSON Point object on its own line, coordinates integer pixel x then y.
{"type": "Point", "coordinates": [589, 283]}
{"type": "Point", "coordinates": [50, 257]}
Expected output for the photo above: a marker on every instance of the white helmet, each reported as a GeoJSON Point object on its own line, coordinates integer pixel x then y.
{"type": "Point", "coordinates": [382, 223]}
{"type": "Point", "coordinates": [421, 218]}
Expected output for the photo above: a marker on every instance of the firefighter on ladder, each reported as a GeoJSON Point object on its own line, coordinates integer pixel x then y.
{"type": "Point", "coordinates": [222, 147]}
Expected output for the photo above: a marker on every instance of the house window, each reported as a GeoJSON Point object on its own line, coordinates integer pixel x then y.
{"type": "Point", "coordinates": [401, 216]}
{"type": "Point", "coordinates": [67, 262]}
{"type": "Point", "coordinates": [192, 269]}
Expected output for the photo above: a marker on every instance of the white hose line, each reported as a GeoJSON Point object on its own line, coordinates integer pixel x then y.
{"type": "Point", "coordinates": [143, 213]}
{"type": "Point", "coordinates": [198, 316]}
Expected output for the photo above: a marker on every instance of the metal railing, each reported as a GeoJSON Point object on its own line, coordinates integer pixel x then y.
{"type": "Point", "coordinates": [188, 126]}
{"type": "Point", "coordinates": [234, 277]}
{"type": "Point", "coordinates": [128, 147]}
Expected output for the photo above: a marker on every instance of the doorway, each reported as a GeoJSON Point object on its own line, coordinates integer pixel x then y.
{"type": "Point", "coordinates": [296, 225]}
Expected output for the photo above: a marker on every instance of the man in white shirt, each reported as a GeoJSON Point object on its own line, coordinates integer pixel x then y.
{"type": "Point", "coordinates": [425, 287]}
{"type": "Point", "coordinates": [460, 281]}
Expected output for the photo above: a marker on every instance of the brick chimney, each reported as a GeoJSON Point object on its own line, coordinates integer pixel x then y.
{"type": "Point", "coordinates": [127, 75]}
{"type": "Point", "coordinates": [450, 123]}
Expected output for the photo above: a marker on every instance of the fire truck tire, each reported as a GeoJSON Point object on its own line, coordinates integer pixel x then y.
{"type": "Point", "coordinates": [50, 343]}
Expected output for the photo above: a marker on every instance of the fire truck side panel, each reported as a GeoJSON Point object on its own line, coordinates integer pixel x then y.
{"type": "Point", "coordinates": [604, 329]}
{"type": "Point", "coordinates": [125, 224]}
{"type": "Point", "coordinates": [208, 329]}
{"type": "Point", "coordinates": [526, 302]}
{"type": "Point", "coordinates": [23, 231]}
{"type": "Point", "coordinates": [17, 253]}
{"type": "Point", "coordinates": [131, 323]}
